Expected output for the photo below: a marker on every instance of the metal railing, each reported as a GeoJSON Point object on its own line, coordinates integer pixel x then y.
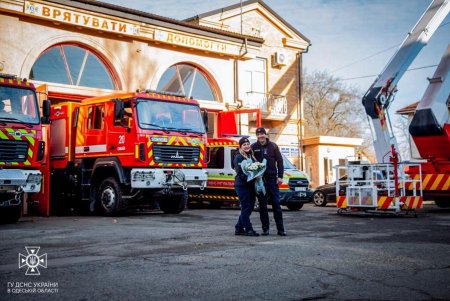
{"type": "Point", "coordinates": [364, 183]}
{"type": "Point", "coordinates": [268, 103]}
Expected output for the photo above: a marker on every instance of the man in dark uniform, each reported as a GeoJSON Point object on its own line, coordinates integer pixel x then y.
{"type": "Point", "coordinates": [265, 149]}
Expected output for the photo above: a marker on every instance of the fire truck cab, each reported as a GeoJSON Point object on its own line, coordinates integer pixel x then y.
{"type": "Point", "coordinates": [21, 144]}
{"type": "Point", "coordinates": [294, 191]}
{"type": "Point", "coordinates": [117, 150]}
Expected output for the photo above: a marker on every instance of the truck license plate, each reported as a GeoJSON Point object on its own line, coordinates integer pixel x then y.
{"type": "Point", "coordinates": [300, 188]}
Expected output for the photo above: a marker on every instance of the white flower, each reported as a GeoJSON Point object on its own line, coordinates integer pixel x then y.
{"type": "Point", "coordinates": [255, 166]}
{"type": "Point", "coordinates": [254, 170]}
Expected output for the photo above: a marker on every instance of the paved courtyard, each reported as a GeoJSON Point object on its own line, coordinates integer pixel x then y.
{"type": "Point", "coordinates": [148, 255]}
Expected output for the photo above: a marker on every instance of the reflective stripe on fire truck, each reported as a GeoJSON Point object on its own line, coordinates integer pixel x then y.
{"type": "Point", "coordinates": [432, 182]}
{"type": "Point", "coordinates": [411, 202]}
{"type": "Point", "coordinates": [341, 202]}
{"type": "Point", "coordinates": [174, 141]}
{"type": "Point", "coordinates": [214, 197]}
{"type": "Point", "coordinates": [384, 202]}
{"type": "Point", "coordinates": [223, 143]}
{"type": "Point", "coordinates": [19, 135]}
{"type": "Point", "coordinates": [85, 149]}
{"type": "Point", "coordinates": [16, 82]}
{"type": "Point", "coordinates": [220, 181]}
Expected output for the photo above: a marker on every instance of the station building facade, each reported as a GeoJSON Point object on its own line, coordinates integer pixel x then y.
{"type": "Point", "coordinates": [238, 57]}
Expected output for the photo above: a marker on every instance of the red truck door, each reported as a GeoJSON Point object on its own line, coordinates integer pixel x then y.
{"type": "Point", "coordinates": [119, 131]}
{"type": "Point", "coordinates": [95, 132]}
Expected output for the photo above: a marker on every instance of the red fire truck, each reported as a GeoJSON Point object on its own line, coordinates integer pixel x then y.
{"type": "Point", "coordinates": [21, 144]}
{"type": "Point", "coordinates": [116, 150]}
{"type": "Point", "coordinates": [405, 184]}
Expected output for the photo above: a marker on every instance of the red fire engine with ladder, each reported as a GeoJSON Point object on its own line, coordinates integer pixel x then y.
{"type": "Point", "coordinates": [117, 150]}
{"type": "Point", "coordinates": [22, 145]}
{"type": "Point", "coordinates": [390, 185]}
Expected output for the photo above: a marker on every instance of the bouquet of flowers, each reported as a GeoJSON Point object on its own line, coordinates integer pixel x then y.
{"type": "Point", "coordinates": [255, 170]}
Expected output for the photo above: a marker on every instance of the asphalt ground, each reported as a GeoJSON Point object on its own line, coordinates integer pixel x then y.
{"type": "Point", "coordinates": [148, 255]}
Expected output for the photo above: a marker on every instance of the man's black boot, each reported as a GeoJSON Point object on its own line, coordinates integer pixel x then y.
{"type": "Point", "coordinates": [265, 232]}
{"type": "Point", "coordinates": [281, 231]}
{"type": "Point", "coordinates": [251, 233]}
{"type": "Point", "coordinates": [239, 232]}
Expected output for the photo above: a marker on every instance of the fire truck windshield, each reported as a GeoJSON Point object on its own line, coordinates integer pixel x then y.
{"type": "Point", "coordinates": [18, 105]}
{"type": "Point", "coordinates": [173, 116]}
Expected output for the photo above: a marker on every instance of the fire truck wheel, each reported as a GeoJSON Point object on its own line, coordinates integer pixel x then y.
{"type": "Point", "coordinates": [442, 202]}
{"type": "Point", "coordinates": [10, 215]}
{"type": "Point", "coordinates": [294, 206]}
{"type": "Point", "coordinates": [174, 204]}
{"type": "Point", "coordinates": [109, 198]}
{"type": "Point", "coordinates": [319, 198]}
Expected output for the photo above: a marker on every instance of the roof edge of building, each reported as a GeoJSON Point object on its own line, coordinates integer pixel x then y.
{"type": "Point", "coordinates": [141, 16]}
{"type": "Point", "coordinates": [233, 6]}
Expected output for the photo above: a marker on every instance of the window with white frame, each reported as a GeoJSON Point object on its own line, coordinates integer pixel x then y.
{"type": "Point", "coordinates": [255, 76]}
{"type": "Point", "coordinates": [189, 81]}
{"type": "Point", "coordinates": [253, 83]}
{"type": "Point", "coordinates": [73, 65]}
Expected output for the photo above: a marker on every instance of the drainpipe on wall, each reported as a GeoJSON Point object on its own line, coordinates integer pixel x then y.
{"type": "Point", "coordinates": [299, 105]}
{"type": "Point", "coordinates": [235, 79]}
{"type": "Point", "coordinates": [236, 82]}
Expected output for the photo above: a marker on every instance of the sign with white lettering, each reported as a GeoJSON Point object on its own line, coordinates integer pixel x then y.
{"type": "Point", "coordinates": [76, 18]}
{"type": "Point", "coordinates": [195, 42]}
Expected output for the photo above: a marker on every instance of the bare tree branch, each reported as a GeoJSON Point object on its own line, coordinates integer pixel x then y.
{"type": "Point", "coordinates": [331, 107]}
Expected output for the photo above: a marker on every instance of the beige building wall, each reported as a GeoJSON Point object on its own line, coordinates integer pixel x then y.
{"type": "Point", "coordinates": [323, 153]}
{"type": "Point", "coordinates": [281, 80]}
{"type": "Point", "coordinates": [137, 61]}
{"type": "Point", "coordinates": [136, 64]}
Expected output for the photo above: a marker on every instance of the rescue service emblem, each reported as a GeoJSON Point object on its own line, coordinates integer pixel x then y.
{"type": "Point", "coordinates": [195, 141]}
{"type": "Point", "coordinates": [19, 134]}
{"type": "Point", "coordinates": [59, 113]}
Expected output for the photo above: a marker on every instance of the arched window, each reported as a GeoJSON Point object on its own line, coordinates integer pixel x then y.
{"type": "Point", "coordinates": [72, 65]}
{"type": "Point", "coordinates": [187, 80]}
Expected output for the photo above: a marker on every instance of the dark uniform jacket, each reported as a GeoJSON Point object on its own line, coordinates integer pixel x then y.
{"type": "Point", "coordinates": [241, 177]}
{"type": "Point", "coordinates": [272, 154]}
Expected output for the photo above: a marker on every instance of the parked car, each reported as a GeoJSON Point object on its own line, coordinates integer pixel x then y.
{"type": "Point", "coordinates": [298, 192]}
{"type": "Point", "coordinates": [324, 194]}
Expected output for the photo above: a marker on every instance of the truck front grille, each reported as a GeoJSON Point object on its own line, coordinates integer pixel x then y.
{"type": "Point", "coordinates": [297, 182]}
{"type": "Point", "coordinates": [176, 154]}
{"type": "Point", "coordinates": [13, 151]}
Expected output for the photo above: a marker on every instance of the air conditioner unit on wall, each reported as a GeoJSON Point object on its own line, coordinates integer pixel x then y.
{"type": "Point", "coordinates": [279, 58]}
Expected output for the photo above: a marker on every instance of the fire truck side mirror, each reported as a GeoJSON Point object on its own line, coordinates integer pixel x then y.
{"type": "Point", "coordinates": [46, 111]}
{"type": "Point", "coordinates": [119, 109]}
{"type": "Point", "coordinates": [205, 119]}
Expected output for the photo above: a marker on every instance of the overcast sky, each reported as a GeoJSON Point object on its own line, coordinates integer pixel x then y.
{"type": "Point", "coordinates": [343, 34]}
